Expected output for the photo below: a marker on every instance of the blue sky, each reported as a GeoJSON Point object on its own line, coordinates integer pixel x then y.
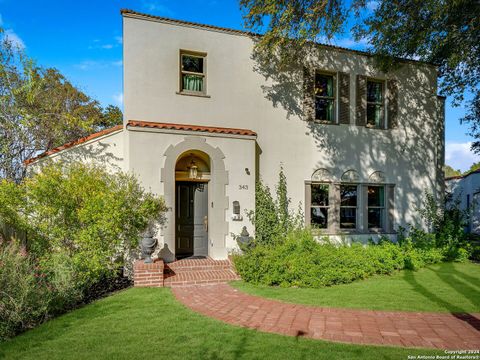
{"type": "Point", "coordinates": [83, 40]}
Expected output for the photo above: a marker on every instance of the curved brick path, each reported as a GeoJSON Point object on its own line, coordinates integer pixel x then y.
{"type": "Point", "coordinates": [407, 329]}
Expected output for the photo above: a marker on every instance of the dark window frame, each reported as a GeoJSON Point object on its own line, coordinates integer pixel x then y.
{"type": "Point", "coordinates": [380, 103]}
{"type": "Point", "coordinates": [333, 98]}
{"type": "Point", "coordinates": [327, 207]}
{"type": "Point", "coordinates": [383, 209]}
{"type": "Point", "coordinates": [340, 206]}
{"type": "Point", "coordinates": [203, 74]}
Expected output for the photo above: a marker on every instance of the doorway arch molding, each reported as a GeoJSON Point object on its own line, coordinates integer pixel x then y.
{"type": "Point", "coordinates": [217, 202]}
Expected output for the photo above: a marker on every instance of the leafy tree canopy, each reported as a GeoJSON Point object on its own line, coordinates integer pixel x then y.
{"type": "Point", "coordinates": [449, 171]}
{"type": "Point", "coordinates": [475, 166]}
{"type": "Point", "coordinates": [40, 109]}
{"type": "Point", "coordinates": [444, 32]}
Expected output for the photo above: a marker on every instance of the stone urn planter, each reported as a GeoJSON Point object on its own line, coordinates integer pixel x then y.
{"type": "Point", "coordinates": [148, 244]}
{"type": "Point", "coordinates": [245, 241]}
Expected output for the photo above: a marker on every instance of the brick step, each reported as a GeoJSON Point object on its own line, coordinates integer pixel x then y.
{"type": "Point", "coordinates": [202, 277]}
{"type": "Point", "coordinates": [188, 265]}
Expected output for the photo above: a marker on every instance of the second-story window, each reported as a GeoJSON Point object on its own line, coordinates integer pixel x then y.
{"type": "Point", "coordinates": [375, 103]}
{"type": "Point", "coordinates": [324, 97]}
{"type": "Point", "coordinates": [192, 72]}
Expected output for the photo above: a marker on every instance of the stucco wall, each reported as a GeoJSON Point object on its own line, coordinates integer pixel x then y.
{"type": "Point", "coordinates": [243, 96]}
{"type": "Point", "coordinates": [149, 152]}
{"type": "Point", "coordinates": [107, 151]}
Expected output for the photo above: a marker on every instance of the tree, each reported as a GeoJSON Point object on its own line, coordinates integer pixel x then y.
{"type": "Point", "coordinates": [40, 109]}
{"type": "Point", "coordinates": [449, 171]}
{"type": "Point", "coordinates": [444, 32]}
{"type": "Point", "coordinates": [475, 166]}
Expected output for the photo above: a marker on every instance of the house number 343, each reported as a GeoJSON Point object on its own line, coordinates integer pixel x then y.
{"type": "Point", "coordinates": [242, 187]}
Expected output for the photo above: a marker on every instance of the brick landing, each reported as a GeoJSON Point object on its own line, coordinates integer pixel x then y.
{"type": "Point", "coordinates": [184, 272]}
{"type": "Point", "coordinates": [394, 328]}
{"type": "Point", "coordinates": [198, 272]}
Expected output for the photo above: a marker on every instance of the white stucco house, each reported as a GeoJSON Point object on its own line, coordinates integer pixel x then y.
{"type": "Point", "coordinates": [466, 190]}
{"type": "Point", "coordinates": [204, 120]}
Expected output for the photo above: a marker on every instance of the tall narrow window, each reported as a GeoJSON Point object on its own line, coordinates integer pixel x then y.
{"type": "Point", "coordinates": [192, 73]}
{"type": "Point", "coordinates": [375, 104]}
{"type": "Point", "coordinates": [319, 206]}
{"type": "Point", "coordinates": [324, 98]}
{"type": "Point", "coordinates": [348, 206]}
{"type": "Point", "coordinates": [376, 207]}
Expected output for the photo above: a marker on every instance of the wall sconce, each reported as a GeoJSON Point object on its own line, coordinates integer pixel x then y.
{"type": "Point", "coordinates": [193, 169]}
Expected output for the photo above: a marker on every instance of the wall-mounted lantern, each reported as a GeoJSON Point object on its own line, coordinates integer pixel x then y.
{"type": "Point", "coordinates": [193, 169]}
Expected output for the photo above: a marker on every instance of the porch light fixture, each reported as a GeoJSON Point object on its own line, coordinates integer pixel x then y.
{"type": "Point", "coordinates": [193, 169]}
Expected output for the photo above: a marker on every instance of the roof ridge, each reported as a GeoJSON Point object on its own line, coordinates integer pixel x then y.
{"type": "Point", "coordinates": [125, 11]}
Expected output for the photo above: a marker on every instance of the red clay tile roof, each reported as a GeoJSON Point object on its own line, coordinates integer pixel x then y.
{"type": "Point", "coordinates": [73, 143]}
{"type": "Point", "coordinates": [249, 33]}
{"type": "Point", "coordinates": [210, 129]}
{"type": "Point", "coordinates": [144, 124]}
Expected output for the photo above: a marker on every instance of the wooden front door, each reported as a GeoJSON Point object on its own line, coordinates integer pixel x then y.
{"type": "Point", "coordinates": [191, 238]}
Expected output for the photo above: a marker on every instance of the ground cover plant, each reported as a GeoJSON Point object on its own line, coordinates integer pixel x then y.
{"type": "Point", "coordinates": [81, 224]}
{"type": "Point", "coordinates": [150, 323]}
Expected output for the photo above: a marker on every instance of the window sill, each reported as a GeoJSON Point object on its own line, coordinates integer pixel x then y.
{"type": "Point", "coordinates": [374, 127]}
{"type": "Point", "coordinates": [324, 122]}
{"type": "Point", "coordinates": [192, 94]}
{"type": "Point", "coordinates": [326, 232]}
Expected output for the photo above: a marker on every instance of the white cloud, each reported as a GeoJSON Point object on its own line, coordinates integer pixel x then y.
{"type": "Point", "coordinates": [351, 43]}
{"type": "Point", "coordinates": [118, 98]}
{"type": "Point", "coordinates": [14, 38]}
{"type": "Point", "coordinates": [459, 156]}
{"type": "Point", "coordinates": [107, 46]}
{"type": "Point", "coordinates": [97, 64]}
{"type": "Point", "coordinates": [157, 7]}
{"type": "Point", "coordinates": [372, 5]}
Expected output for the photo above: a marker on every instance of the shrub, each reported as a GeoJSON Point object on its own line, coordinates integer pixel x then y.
{"type": "Point", "coordinates": [24, 297]}
{"type": "Point", "coordinates": [82, 224]}
{"type": "Point", "coordinates": [272, 217]}
{"type": "Point", "coordinates": [300, 260]}
{"type": "Point", "coordinates": [446, 225]}
{"type": "Point", "coordinates": [84, 220]}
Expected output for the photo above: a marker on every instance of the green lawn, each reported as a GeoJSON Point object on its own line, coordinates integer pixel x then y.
{"type": "Point", "coordinates": [450, 287]}
{"type": "Point", "coordinates": [151, 324]}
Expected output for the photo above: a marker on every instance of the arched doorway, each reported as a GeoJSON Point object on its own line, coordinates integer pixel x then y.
{"type": "Point", "coordinates": [218, 199]}
{"type": "Point", "coordinates": [192, 175]}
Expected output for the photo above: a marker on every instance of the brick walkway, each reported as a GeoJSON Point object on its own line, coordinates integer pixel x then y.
{"type": "Point", "coordinates": [406, 329]}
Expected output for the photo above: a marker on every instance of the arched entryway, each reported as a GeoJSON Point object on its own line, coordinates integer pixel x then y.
{"type": "Point", "coordinates": [192, 175]}
{"type": "Point", "coordinates": [213, 157]}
